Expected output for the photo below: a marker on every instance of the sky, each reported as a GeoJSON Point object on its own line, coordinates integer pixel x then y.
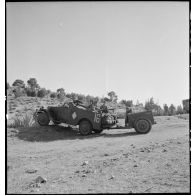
{"type": "Point", "coordinates": [137, 49]}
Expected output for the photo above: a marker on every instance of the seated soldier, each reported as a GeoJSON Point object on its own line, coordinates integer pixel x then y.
{"type": "Point", "coordinates": [92, 106]}
{"type": "Point", "coordinates": [104, 108]}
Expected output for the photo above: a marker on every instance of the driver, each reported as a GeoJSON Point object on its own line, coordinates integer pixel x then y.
{"type": "Point", "coordinates": [92, 105]}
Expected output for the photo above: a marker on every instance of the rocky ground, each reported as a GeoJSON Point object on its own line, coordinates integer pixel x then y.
{"type": "Point", "coordinates": [117, 161]}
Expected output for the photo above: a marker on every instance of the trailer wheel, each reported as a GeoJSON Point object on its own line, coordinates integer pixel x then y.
{"type": "Point", "coordinates": [97, 131]}
{"type": "Point", "coordinates": [43, 119]}
{"type": "Point", "coordinates": [143, 126]}
{"type": "Point", "coordinates": [85, 127]}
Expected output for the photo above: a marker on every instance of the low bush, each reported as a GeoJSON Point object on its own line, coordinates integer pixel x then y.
{"type": "Point", "coordinates": [53, 95]}
{"type": "Point", "coordinates": [24, 121]}
{"type": "Point", "coordinates": [42, 93]}
{"type": "Point", "coordinates": [31, 93]}
{"type": "Point", "coordinates": [61, 96]}
{"type": "Point", "coordinates": [18, 92]}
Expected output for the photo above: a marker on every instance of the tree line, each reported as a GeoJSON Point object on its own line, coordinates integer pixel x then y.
{"type": "Point", "coordinates": [33, 89]}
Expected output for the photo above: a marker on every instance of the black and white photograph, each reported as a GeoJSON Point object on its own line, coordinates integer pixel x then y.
{"type": "Point", "coordinates": [98, 97]}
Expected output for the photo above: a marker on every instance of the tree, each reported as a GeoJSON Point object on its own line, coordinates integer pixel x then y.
{"type": "Point", "coordinates": [96, 99]}
{"type": "Point", "coordinates": [166, 109]}
{"type": "Point", "coordinates": [7, 86]}
{"type": "Point", "coordinates": [81, 97]}
{"type": "Point", "coordinates": [42, 92]}
{"type": "Point", "coordinates": [18, 91]}
{"type": "Point", "coordinates": [32, 83]}
{"type": "Point", "coordinates": [60, 90]}
{"type": "Point", "coordinates": [19, 83]}
{"type": "Point", "coordinates": [48, 91]}
{"type": "Point", "coordinates": [30, 92]}
{"type": "Point", "coordinates": [128, 103]}
{"type": "Point", "coordinates": [106, 99]}
{"type": "Point", "coordinates": [61, 93]}
{"type": "Point", "coordinates": [88, 99]}
{"type": "Point", "coordinates": [74, 96]}
{"type": "Point", "coordinates": [53, 95]}
{"type": "Point", "coordinates": [123, 102]}
{"type": "Point", "coordinates": [179, 110]}
{"type": "Point", "coordinates": [172, 110]}
{"type": "Point", "coordinates": [113, 96]}
{"type": "Point", "coordinates": [68, 95]}
{"type": "Point", "coordinates": [158, 110]}
{"type": "Point", "coordinates": [150, 105]}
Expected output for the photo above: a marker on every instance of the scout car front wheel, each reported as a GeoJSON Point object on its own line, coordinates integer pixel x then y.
{"type": "Point", "coordinates": [43, 119]}
{"type": "Point", "coordinates": [85, 127]}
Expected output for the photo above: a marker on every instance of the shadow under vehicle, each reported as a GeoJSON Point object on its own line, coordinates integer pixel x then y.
{"type": "Point", "coordinates": [92, 119]}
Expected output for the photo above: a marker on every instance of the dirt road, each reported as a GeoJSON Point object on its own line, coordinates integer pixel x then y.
{"type": "Point", "coordinates": [118, 161]}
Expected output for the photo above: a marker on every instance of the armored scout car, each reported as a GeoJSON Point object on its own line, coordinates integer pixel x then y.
{"type": "Point", "coordinates": [75, 113]}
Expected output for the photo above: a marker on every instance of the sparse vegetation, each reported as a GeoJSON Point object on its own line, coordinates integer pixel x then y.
{"type": "Point", "coordinates": [61, 93]}
{"type": "Point", "coordinates": [113, 96]}
{"type": "Point", "coordinates": [172, 110]}
{"type": "Point", "coordinates": [53, 95]}
{"type": "Point", "coordinates": [33, 89]}
{"type": "Point", "coordinates": [42, 93]}
{"type": "Point", "coordinates": [30, 92]}
{"type": "Point", "coordinates": [18, 92]}
{"type": "Point", "coordinates": [22, 121]}
{"type": "Point", "coordinates": [19, 83]}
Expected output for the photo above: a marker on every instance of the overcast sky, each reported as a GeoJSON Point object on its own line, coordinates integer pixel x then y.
{"type": "Point", "coordinates": [137, 49]}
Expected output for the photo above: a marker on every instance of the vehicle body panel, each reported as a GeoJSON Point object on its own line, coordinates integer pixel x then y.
{"type": "Point", "coordinates": [72, 115]}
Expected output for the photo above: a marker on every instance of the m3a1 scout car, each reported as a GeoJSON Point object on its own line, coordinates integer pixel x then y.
{"type": "Point", "coordinates": [74, 113]}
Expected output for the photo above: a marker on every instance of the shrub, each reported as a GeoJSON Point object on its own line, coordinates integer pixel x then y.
{"type": "Point", "coordinates": [18, 92]}
{"type": "Point", "coordinates": [48, 92]}
{"type": "Point", "coordinates": [19, 83]}
{"type": "Point", "coordinates": [42, 93]}
{"type": "Point", "coordinates": [30, 92]}
{"type": "Point", "coordinates": [61, 96]}
{"type": "Point", "coordinates": [61, 93]}
{"type": "Point", "coordinates": [10, 92]}
{"type": "Point", "coordinates": [25, 121]}
{"type": "Point", "coordinates": [53, 95]}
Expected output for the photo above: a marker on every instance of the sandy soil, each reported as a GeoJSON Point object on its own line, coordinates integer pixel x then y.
{"type": "Point", "coordinates": [115, 161]}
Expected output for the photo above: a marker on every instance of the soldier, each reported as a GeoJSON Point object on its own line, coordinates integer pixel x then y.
{"type": "Point", "coordinates": [104, 108]}
{"type": "Point", "coordinates": [91, 105]}
{"type": "Point", "coordinates": [128, 110]}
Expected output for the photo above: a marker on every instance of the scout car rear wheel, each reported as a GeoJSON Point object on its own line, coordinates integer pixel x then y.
{"type": "Point", "coordinates": [85, 127]}
{"type": "Point", "coordinates": [43, 119]}
{"type": "Point", "coordinates": [143, 126]}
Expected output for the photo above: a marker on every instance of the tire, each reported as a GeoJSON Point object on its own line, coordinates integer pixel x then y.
{"type": "Point", "coordinates": [85, 127]}
{"type": "Point", "coordinates": [142, 126]}
{"type": "Point", "coordinates": [43, 119]}
{"type": "Point", "coordinates": [98, 131]}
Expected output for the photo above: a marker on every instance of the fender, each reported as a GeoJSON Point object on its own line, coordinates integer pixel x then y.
{"type": "Point", "coordinates": [41, 110]}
